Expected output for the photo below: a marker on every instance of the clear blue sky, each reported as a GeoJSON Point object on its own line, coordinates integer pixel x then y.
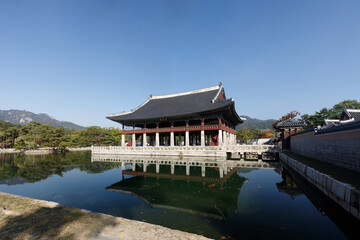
{"type": "Point", "coordinates": [80, 60]}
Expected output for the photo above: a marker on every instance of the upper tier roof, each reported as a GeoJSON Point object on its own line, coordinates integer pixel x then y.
{"type": "Point", "coordinates": [290, 123]}
{"type": "Point", "coordinates": [185, 104]}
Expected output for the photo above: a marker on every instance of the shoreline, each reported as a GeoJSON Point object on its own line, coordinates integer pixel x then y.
{"type": "Point", "coordinates": [42, 150]}
{"type": "Point", "coordinates": [23, 217]}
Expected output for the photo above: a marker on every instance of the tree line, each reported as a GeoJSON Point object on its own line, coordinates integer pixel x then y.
{"type": "Point", "coordinates": [35, 135]}
{"type": "Point", "coordinates": [318, 117]}
{"type": "Point", "coordinates": [245, 135]}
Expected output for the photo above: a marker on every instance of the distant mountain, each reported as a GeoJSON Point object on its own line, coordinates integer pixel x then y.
{"type": "Point", "coordinates": [24, 117]}
{"type": "Point", "coordinates": [256, 123]}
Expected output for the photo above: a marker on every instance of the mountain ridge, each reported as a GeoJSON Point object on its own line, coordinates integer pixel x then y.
{"type": "Point", "coordinates": [24, 117]}
{"type": "Point", "coordinates": [256, 123]}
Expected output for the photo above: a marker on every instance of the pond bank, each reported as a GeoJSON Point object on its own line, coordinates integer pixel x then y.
{"type": "Point", "coordinates": [344, 194]}
{"type": "Point", "coordinates": [42, 150]}
{"type": "Point", "coordinates": [26, 218]}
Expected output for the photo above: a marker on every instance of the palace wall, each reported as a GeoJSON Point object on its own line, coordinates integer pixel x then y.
{"type": "Point", "coordinates": [338, 145]}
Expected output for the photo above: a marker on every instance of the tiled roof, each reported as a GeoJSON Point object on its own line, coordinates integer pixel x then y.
{"type": "Point", "coordinates": [180, 104]}
{"type": "Point", "coordinates": [342, 127]}
{"type": "Point", "coordinates": [352, 113]}
{"type": "Point", "coordinates": [289, 123]}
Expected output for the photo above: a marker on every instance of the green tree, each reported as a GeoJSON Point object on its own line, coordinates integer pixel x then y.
{"type": "Point", "coordinates": [332, 113]}
{"type": "Point", "coordinates": [56, 139]}
{"type": "Point", "coordinates": [244, 135]}
{"type": "Point", "coordinates": [255, 134]}
{"type": "Point", "coordinates": [347, 104]}
{"type": "Point", "coordinates": [20, 144]}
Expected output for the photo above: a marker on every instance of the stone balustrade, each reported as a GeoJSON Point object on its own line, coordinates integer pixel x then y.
{"type": "Point", "coordinates": [198, 151]}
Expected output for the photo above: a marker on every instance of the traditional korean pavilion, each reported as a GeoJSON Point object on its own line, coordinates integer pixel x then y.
{"type": "Point", "coordinates": [202, 117]}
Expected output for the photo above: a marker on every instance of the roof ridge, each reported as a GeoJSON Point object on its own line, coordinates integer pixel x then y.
{"type": "Point", "coordinates": [186, 93]}
{"type": "Point", "coordinates": [352, 110]}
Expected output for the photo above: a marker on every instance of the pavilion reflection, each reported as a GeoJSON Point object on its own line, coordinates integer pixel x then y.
{"type": "Point", "coordinates": [190, 164]}
{"type": "Point", "coordinates": [209, 196]}
{"type": "Point", "coordinates": [288, 185]}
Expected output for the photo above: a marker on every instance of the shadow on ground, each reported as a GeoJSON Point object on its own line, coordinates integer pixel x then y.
{"type": "Point", "coordinates": [54, 223]}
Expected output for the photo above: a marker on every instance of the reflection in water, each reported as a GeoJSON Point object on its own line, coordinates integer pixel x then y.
{"type": "Point", "coordinates": [294, 185]}
{"type": "Point", "coordinates": [289, 186]}
{"type": "Point", "coordinates": [206, 196]}
{"type": "Point", "coordinates": [212, 197]}
{"type": "Point", "coordinates": [21, 168]}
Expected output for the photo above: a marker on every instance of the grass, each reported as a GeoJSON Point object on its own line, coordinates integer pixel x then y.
{"type": "Point", "coordinates": [339, 173]}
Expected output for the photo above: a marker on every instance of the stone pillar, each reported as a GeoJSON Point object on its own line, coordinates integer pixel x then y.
{"type": "Point", "coordinates": [144, 166]}
{"type": "Point", "coordinates": [144, 140]}
{"type": "Point", "coordinates": [123, 140]}
{"type": "Point", "coordinates": [157, 141]}
{"type": "Point", "coordinates": [122, 166]}
{"type": "Point", "coordinates": [202, 138]}
{"type": "Point", "coordinates": [221, 172]}
{"type": "Point", "coordinates": [133, 140]}
{"type": "Point", "coordinates": [220, 139]}
{"type": "Point", "coordinates": [172, 139]}
{"type": "Point", "coordinates": [187, 139]}
{"type": "Point", "coordinates": [224, 137]}
{"type": "Point", "coordinates": [134, 166]}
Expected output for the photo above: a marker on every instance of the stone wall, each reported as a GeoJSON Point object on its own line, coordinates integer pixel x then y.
{"type": "Point", "coordinates": [347, 196]}
{"type": "Point", "coordinates": [338, 146]}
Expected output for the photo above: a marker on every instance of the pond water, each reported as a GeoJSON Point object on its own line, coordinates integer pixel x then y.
{"type": "Point", "coordinates": [244, 203]}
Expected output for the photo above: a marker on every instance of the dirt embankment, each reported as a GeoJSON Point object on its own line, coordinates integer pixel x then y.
{"type": "Point", "coordinates": [26, 218]}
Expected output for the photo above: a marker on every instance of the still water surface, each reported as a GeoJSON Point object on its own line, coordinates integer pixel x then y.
{"type": "Point", "coordinates": [247, 203]}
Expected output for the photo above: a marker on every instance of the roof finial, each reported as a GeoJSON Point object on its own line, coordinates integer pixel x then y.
{"type": "Point", "coordinates": [220, 84]}
{"type": "Point", "coordinates": [150, 95]}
